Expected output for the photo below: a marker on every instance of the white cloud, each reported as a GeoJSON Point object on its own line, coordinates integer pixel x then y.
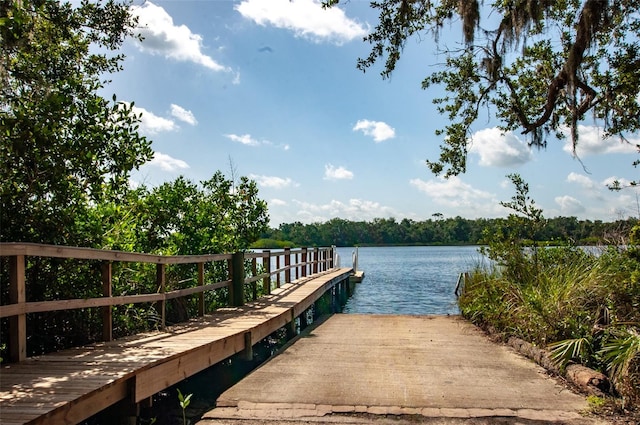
{"type": "Point", "coordinates": [273, 181]}
{"type": "Point", "coordinates": [622, 181]}
{"type": "Point", "coordinates": [355, 210]}
{"type": "Point", "coordinates": [569, 205]}
{"type": "Point", "coordinates": [591, 142]}
{"type": "Point", "coordinates": [380, 131]}
{"type": "Point", "coordinates": [163, 37]}
{"type": "Point", "coordinates": [245, 139]}
{"type": "Point", "coordinates": [305, 18]}
{"type": "Point", "coordinates": [167, 163]}
{"type": "Point", "coordinates": [236, 78]}
{"type": "Point", "coordinates": [339, 173]}
{"type": "Point", "coordinates": [454, 193]}
{"type": "Point", "coordinates": [279, 202]}
{"type": "Point", "coordinates": [499, 149]}
{"type": "Point", "coordinates": [183, 115]}
{"type": "Point", "coordinates": [248, 140]}
{"type": "Point", "coordinates": [150, 123]}
{"type": "Point", "coordinates": [581, 180]}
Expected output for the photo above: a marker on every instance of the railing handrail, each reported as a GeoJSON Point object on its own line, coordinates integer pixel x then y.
{"type": "Point", "coordinates": [18, 307]}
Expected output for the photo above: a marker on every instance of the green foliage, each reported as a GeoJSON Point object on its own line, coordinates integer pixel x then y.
{"type": "Point", "coordinates": [621, 354]}
{"type": "Point", "coordinates": [583, 305]}
{"type": "Point", "coordinates": [186, 218]}
{"type": "Point", "coordinates": [266, 243]}
{"type": "Point", "coordinates": [577, 349]}
{"type": "Point", "coordinates": [596, 403]}
{"type": "Point", "coordinates": [515, 244]}
{"type": "Point", "coordinates": [184, 403]}
{"type": "Point", "coordinates": [448, 231]}
{"type": "Point", "coordinates": [66, 156]}
{"type": "Point", "coordinates": [539, 67]}
{"type": "Point", "coordinates": [64, 147]}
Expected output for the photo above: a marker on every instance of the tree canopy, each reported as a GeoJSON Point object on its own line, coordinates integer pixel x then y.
{"type": "Point", "coordinates": [538, 66]}
{"type": "Point", "coordinates": [67, 153]}
{"type": "Point", "coordinates": [63, 146]}
{"type": "Point", "coordinates": [66, 157]}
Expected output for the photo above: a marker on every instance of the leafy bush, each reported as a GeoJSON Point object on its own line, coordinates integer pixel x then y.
{"type": "Point", "coordinates": [582, 304]}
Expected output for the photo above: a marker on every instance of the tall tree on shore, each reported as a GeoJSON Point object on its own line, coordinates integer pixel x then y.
{"type": "Point", "coordinates": [63, 147]}
{"type": "Point", "coordinates": [539, 65]}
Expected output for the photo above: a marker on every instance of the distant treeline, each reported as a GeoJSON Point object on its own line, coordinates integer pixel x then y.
{"type": "Point", "coordinates": [440, 231]}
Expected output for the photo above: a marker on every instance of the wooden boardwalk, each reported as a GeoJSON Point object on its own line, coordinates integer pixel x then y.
{"type": "Point", "coordinates": [71, 385]}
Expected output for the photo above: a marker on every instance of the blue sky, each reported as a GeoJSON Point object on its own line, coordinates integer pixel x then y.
{"type": "Point", "coordinates": [271, 89]}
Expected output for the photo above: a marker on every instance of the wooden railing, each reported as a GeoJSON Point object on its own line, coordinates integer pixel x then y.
{"type": "Point", "coordinates": [306, 261]}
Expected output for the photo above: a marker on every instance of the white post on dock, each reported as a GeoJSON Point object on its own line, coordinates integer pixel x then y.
{"type": "Point", "coordinates": [354, 260]}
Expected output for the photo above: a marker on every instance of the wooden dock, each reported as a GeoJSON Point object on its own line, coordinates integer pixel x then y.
{"type": "Point", "coordinates": [71, 385]}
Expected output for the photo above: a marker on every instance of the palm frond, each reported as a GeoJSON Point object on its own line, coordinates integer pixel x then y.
{"type": "Point", "coordinates": [562, 352]}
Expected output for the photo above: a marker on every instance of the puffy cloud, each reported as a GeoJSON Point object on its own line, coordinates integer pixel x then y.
{"type": "Point", "coordinates": [273, 181]}
{"type": "Point", "coordinates": [245, 139]}
{"type": "Point", "coordinates": [454, 193]}
{"type": "Point", "coordinates": [183, 115]}
{"type": "Point", "coordinates": [609, 181]}
{"type": "Point", "coordinates": [248, 140]}
{"type": "Point", "coordinates": [150, 123]}
{"type": "Point", "coordinates": [167, 163]}
{"type": "Point", "coordinates": [339, 173]}
{"type": "Point", "coordinates": [581, 180]}
{"type": "Point", "coordinates": [354, 209]}
{"type": "Point", "coordinates": [380, 131]}
{"type": "Point", "coordinates": [569, 205]}
{"type": "Point", "coordinates": [278, 202]}
{"type": "Point", "coordinates": [163, 37]}
{"type": "Point", "coordinates": [305, 18]}
{"type": "Point", "coordinates": [499, 149]}
{"type": "Point", "coordinates": [591, 142]}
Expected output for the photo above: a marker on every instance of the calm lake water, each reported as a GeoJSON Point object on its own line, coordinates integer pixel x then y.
{"type": "Point", "coordinates": [408, 280]}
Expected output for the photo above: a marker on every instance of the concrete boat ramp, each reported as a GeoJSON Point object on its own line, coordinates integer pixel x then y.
{"type": "Point", "coordinates": [398, 369]}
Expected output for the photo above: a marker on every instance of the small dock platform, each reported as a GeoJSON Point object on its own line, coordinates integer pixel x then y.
{"type": "Point", "coordinates": [426, 369]}
{"type": "Point", "coordinates": [356, 276]}
{"type": "Point", "coordinates": [71, 385]}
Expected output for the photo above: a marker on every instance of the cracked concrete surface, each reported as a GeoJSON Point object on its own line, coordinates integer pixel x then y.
{"type": "Point", "coordinates": [398, 369]}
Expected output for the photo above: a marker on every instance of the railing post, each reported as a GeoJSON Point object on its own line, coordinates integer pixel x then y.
{"type": "Point", "coordinates": [287, 263]}
{"type": "Point", "coordinates": [17, 295]}
{"type": "Point", "coordinates": [278, 268]}
{"type": "Point", "coordinates": [161, 283]}
{"type": "Point", "coordinates": [266, 265]}
{"type": "Point", "coordinates": [107, 311]}
{"type": "Point", "coordinates": [254, 284]}
{"type": "Point", "coordinates": [333, 260]}
{"type": "Point", "coordinates": [236, 296]}
{"type": "Point", "coordinates": [315, 260]}
{"type": "Point", "coordinates": [304, 262]}
{"type": "Point", "coordinates": [201, 294]}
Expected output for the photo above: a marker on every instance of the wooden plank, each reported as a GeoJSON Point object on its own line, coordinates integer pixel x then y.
{"type": "Point", "coordinates": [80, 409]}
{"type": "Point", "coordinates": [107, 312]}
{"type": "Point", "coordinates": [17, 323]}
{"type": "Point", "coordinates": [155, 379]}
{"type": "Point", "coordinates": [44, 306]}
{"type": "Point", "coordinates": [41, 250]}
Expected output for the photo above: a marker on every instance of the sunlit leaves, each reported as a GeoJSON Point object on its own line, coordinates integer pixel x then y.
{"type": "Point", "coordinates": [64, 146]}
{"type": "Point", "coordinates": [537, 66]}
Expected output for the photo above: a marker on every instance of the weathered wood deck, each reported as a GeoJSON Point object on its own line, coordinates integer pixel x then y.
{"type": "Point", "coordinates": [71, 385]}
